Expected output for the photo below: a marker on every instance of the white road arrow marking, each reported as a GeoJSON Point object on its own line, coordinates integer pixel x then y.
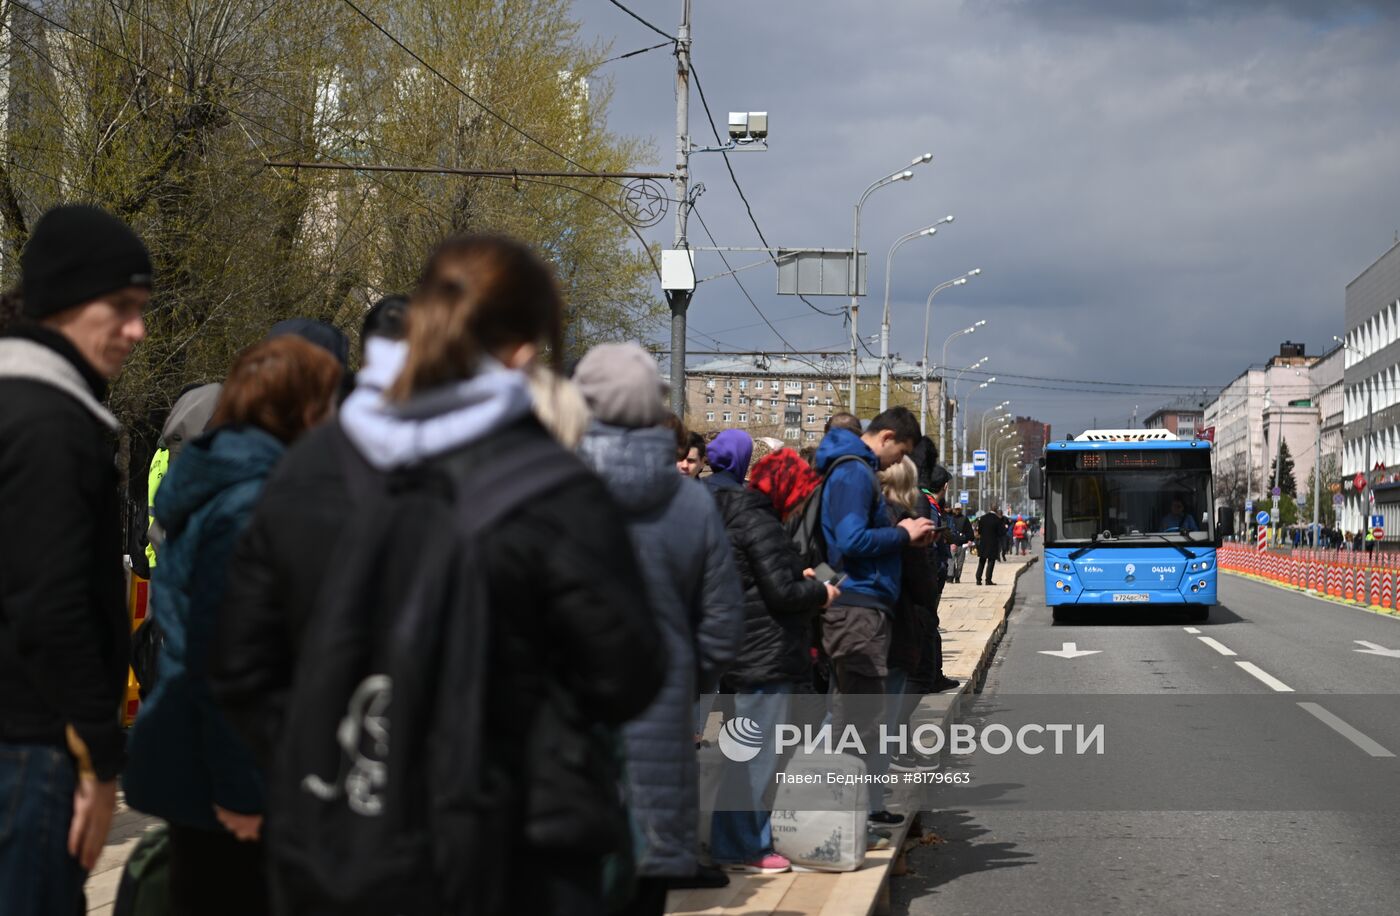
{"type": "Point", "coordinates": [1071, 650]}
{"type": "Point", "coordinates": [1373, 649]}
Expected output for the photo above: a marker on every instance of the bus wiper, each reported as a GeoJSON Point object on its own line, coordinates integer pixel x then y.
{"type": "Point", "coordinates": [1166, 540]}
{"type": "Point", "coordinates": [1089, 546]}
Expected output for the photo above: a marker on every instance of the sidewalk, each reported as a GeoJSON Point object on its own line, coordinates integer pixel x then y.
{"type": "Point", "coordinates": [972, 619]}
{"type": "Point", "coordinates": [127, 828]}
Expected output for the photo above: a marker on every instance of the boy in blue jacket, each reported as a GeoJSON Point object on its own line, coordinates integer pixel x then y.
{"type": "Point", "coordinates": [864, 543]}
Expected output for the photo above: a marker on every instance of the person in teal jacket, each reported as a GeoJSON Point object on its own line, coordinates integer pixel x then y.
{"type": "Point", "coordinates": [186, 763]}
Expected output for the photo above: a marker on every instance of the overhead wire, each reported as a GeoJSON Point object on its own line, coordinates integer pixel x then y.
{"type": "Point", "coordinates": [649, 25]}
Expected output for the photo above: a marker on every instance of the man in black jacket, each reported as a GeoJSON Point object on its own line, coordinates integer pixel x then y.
{"type": "Point", "coordinates": [990, 530]}
{"type": "Point", "coordinates": [63, 622]}
{"type": "Point", "coordinates": [962, 536]}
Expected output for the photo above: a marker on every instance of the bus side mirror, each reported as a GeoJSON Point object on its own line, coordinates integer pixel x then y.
{"type": "Point", "coordinates": [1035, 482]}
{"type": "Point", "coordinates": [1224, 522]}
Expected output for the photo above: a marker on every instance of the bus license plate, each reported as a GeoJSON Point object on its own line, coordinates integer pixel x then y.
{"type": "Point", "coordinates": [1130, 598]}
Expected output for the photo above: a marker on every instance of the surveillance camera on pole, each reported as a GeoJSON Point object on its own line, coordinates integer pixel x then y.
{"type": "Point", "coordinates": [748, 130]}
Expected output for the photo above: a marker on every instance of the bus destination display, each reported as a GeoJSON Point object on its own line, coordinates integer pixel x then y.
{"type": "Point", "coordinates": [1128, 460]}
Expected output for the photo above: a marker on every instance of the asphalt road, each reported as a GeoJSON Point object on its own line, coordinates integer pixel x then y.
{"type": "Point", "coordinates": [1246, 766]}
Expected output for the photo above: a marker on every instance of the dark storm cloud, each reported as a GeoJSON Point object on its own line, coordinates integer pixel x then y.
{"type": "Point", "coordinates": [1168, 11]}
{"type": "Point", "coordinates": [1161, 199]}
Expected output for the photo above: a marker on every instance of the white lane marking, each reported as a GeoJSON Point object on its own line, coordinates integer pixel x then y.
{"type": "Point", "coordinates": [1375, 649]}
{"type": "Point", "coordinates": [1346, 731]}
{"type": "Point", "coordinates": [1217, 646]}
{"type": "Point", "coordinates": [1266, 677]}
{"type": "Point", "coordinates": [1070, 650]}
{"type": "Point", "coordinates": [1192, 630]}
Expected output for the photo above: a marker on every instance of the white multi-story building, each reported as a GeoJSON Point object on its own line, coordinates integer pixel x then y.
{"type": "Point", "coordinates": [1262, 404]}
{"type": "Point", "coordinates": [1371, 412]}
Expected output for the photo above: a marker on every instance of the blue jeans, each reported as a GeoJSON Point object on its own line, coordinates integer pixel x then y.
{"type": "Point", "coordinates": [37, 875]}
{"type": "Point", "coordinates": [895, 683]}
{"type": "Point", "coordinates": [745, 836]}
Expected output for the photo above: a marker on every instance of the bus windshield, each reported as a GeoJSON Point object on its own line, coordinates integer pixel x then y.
{"type": "Point", "coordinates": [1130, 506]}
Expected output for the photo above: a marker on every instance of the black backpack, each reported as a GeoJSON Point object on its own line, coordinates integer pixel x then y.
{"type": "Point", "coordinates": [805, 527]}
{"type": "Point", "coordinates": [384, 797]}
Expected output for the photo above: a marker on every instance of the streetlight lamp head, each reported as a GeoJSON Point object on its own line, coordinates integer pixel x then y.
{"type": "Point", "coordinates": [947, 219]}
{"type": "Point", "coordinates": [975, 272]}
{"type": "Point", "coordinates": [919, 160]}
{"type": "Point", "coordinates": [931, 230]}
{"type": "Point", "coordinates": [960, 281]}
{"type": "Point", "coordinates": [979, 323]}
{"type": "Point", "coordinates": [904, 175]}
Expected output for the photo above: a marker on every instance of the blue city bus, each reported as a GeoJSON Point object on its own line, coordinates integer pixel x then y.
{"type": "Point", "coordinates": [1127, 521]}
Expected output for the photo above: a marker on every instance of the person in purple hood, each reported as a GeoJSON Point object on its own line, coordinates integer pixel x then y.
{"type": "Point", "coordinates": [780, 601]}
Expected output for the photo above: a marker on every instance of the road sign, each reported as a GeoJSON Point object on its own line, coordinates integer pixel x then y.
{"type": "Point", "coordinates": [1277, 492]}
{"type": "Point", "coordinates": [1302, 499]}
{"type": "Point", "coordinates": [1248, 506]}
{"type": "Point", "coordinates": [1262, 518]}
{"type": "Point", "coordinates": [1378, 521]}
{"type": "Point", "coordinates": [1359, 481]}
{"type": "Point", "coordinates": [967, 469]}
{"type": "Point", "coordinates": [1378, 533]}
{"type": "Point", "coordinates": [1338, 500]}
{"type": "Point", "coordinates": [964, 497]}
{"type": "Point", "coordinates": [979, 460]}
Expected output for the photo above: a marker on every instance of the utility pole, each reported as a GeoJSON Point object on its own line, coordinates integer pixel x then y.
{"type": "Point", "coordinates": [679, 300]}
{"type": "Point", "coordinates": [1317, 474]}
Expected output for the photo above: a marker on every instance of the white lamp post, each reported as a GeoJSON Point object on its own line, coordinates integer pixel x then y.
{"type": "Point", "coordinates": [926, 232]}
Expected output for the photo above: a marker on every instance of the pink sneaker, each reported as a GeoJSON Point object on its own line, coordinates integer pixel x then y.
{"type": "Point", "coordinates": [771, 864]}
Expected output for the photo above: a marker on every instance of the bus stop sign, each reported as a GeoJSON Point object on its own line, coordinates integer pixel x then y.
{"type": "Point", "coordinates": [979, 460]}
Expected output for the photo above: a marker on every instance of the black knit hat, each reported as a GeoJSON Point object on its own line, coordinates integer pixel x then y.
{"type": "Point", "coordinates": [76, 253]}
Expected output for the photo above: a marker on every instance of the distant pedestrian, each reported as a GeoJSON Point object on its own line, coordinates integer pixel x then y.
{"type": "Point", "coordinates": [962, 538]}
{"type": "Point", "coordinates": [187, 765]}
{"type": "Point", "coordinates": [693, 591]}
{"type": "Point", "coordinates": [1020, 532]}
{"type": "Point", "coordinates": [991, 529]}
{"type": "Point", "coordinates": [64, 631]}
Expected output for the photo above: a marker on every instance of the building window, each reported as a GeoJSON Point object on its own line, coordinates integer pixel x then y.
{"type": "Point", "coordinates": [709, 383]}
{"type": "Point", "coordinates": [743, 384]}
{"type": "Point", "coordinates": [811, 418]}
{"type": "Point", "coordinates": [709, 399]}
{"type": "Point", "coordinates": [811, 437]}
{"type": "Point", "coordinates": [795, 386]}
{"type": "Point", "coordinates": [828, 400]}
{"type": "Point", "coordinates": [728, 399]}
{"type": "Point", "coordinates": [775, 419]}
{"type": "Point", "coordinates": [792, 434]}
{"type": "Point", "coordinates": [743, 400]}
{"type": "Point", "coordinates": [812, 402]}
{"type": "Point", "coordinates": [743, 418]}
{"type": "Point", "coordinates": [729, 383]}
{"type": "Point", "coordinates": [775, 385]}
{"type": "Point", "coordinates": [710, 415]}
{"type": "Point", "coordinates": [828, 386]}
{"type": "Point", "coordinates": [726, 416]}
{"type": "Point", "coordinates": [811, 386]}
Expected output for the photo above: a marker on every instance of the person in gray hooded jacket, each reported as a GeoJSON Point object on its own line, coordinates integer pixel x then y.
{"type": "Point", "coordinates": [694, 591]}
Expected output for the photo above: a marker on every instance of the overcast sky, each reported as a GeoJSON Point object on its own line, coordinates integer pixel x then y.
{"type": "Point", "coordinates": [1158, 192]}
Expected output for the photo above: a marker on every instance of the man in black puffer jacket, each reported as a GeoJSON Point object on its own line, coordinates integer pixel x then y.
{"type": "Point", "coordinates": [779, 604]}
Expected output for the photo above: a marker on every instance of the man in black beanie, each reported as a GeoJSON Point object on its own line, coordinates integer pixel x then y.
{"type": "Point", "coordinates": [64, 633]}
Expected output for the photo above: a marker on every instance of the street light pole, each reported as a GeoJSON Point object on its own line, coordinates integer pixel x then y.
{"type": "Point", "coordinates": [957, 413]}
{"type": "Point", "coordinates": [901, 175]}
{"type": "Point", "coordinates": [926, 232]}
{"type": "Point", "coordinates": [943, 363]}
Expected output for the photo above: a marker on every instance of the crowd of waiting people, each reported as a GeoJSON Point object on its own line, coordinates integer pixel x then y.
{"type": "Point", "coordinates": [427, 638]}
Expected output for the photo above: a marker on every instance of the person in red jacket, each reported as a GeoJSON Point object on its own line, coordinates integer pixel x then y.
{"type": "Point", "coordinates": [1020, 533]}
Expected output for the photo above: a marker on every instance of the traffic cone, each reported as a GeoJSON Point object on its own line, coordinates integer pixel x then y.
{"type": "Point", "coordinates": [1349, 586]}
{"type": "Point", "coordinates": [1374, 598]}
{"type": "Point", "coordinates": [1386, 594]}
